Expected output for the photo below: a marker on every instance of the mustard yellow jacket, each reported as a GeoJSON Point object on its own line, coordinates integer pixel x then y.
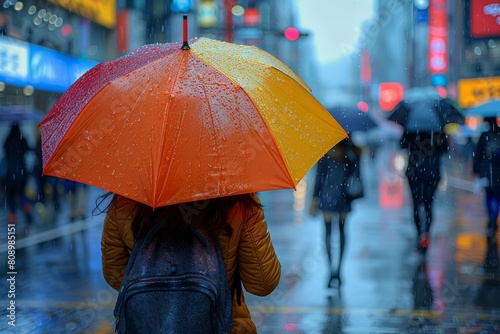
{"type": "Point", "coordinates": [249, 244]}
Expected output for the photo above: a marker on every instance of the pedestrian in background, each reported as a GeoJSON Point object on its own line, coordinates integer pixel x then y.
{"type": "Point", "coordinates": [486, 167]}
{"type": "Point", "coordinates": [423, 172]}
{"type": "Point", "coordinates": [16, 176]}
{"type": "Point", "coordinates": [77, 197]}
{"type": "Point", "coordinates": [47, 185]}
{"type": "Point", "coordinates": [241, 230]}
{"type": "Point", "coordinates": [331, 196]}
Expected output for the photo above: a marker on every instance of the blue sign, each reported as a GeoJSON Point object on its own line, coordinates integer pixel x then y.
{"type": "Point", "coordinates": [422, 16]}
{"type": "Point", "coordinates": [438, 80]}
{"type": "Point", "coordinates": [23, 64]}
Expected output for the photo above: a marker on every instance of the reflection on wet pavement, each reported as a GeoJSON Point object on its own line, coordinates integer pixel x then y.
{"type": "Point", "coordinates": [387, 287]}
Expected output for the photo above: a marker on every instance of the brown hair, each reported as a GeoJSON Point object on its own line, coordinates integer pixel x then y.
{"type": "Point", "coordinates": [211, 214]}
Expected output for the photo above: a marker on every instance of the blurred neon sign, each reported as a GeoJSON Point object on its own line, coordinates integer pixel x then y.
{"type": "Point", "coordinates": [390, 93]}
{"type": "Point", "coordinates": [23, 64]}
{"type": "Point", "coordinates": [484, 18]}
{"type": "Point", "coordinates": [102, 12]}
{"type": "Point", "coordinates": [438, 37]}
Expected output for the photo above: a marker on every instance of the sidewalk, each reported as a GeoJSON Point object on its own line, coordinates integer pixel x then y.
{"type": "Point", "coordinates": [61, 289]}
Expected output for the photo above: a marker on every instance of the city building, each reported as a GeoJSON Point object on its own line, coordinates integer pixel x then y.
{"type": "Point", "coordinates": [452, 45]}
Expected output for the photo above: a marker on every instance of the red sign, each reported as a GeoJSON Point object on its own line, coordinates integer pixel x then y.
{"type": "Point", "coordinates": [484, 18]}
{"type": "Point", "coordinates": [438, 36]}
{"type": "Point", "coordinates": [390, 93]}
{"type": "Point", "coordinates": [251, 17]}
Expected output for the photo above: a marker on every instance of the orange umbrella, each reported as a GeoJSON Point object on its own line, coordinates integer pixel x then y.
{"type": "Point", "coordinates": [172, 123]}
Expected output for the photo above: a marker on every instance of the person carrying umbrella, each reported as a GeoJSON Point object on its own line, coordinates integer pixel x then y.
{"type": "Point", "coordinates": [423, 114]}
{"type": "Point", "coordinates": [193, 127]}
{"type": "Point", "coordinates": [423, 173]}
{"type": "Point", "coordinates": [486, 166]}
{"type": "Point", "coordinates": [241, 230]}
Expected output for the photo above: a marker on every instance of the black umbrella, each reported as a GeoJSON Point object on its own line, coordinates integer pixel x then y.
{"type": "Point", "coordinates": [352, 119]}
{"type": "Point", "coordinates": [423, 109]}
{"type": "Point", "coordinates": [417, 116]}
{"type": "Point", "coordinates": [17, 113]}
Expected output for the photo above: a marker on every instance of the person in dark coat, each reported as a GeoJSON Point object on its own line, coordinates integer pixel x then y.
{"type": "Point", "coordinates": [423, 172]}
{"type": "Point", "coordinates": [486, 166]}
{"type": "Point", "coordinates": [15, 148]}
{"type": "Point", "coordinates": [330, 195]}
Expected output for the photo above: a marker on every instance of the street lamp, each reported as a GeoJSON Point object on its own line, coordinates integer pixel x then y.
{"type": "Point", "coordinates": [421, 4]}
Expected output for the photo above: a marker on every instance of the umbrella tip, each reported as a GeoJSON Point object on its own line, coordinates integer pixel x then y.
{"type": "Point", "coordinates": [185, 45]}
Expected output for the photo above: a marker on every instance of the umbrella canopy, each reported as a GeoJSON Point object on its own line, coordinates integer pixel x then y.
{"type": "Point", "coordinates": [422, 110]}
{"type": "Point", "coordinates": [171, 123]}
{"type": "Point", "coordinates": [422, 93]}
{"type": "Point", "coordinates": [352, 119]}
{"type": "Point", "coordinates": [485, 110]}
{"type": "Point", "coordinates": [417, 116]}
{"type": "Point", "coordinates": [17, 113]}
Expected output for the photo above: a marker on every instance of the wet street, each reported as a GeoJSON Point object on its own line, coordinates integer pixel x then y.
{"type": "Point", "coordinates": [56, 284]}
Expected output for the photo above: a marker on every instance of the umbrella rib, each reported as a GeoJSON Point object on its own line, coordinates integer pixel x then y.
{"type": "Point", "coordinates": [210, 110]}
{"type": "Point", "coordinates": [184, 58]}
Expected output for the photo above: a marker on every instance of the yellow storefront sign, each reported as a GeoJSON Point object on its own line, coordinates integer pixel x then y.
{"type": "Point", "coordinates": [102, 12]}
{"type": "Point", "coordinates": [207, 14]}
{"type": "Point", "coordinates": [472, 92]}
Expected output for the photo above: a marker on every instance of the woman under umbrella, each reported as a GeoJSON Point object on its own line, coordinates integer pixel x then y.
{"type": "Point", "coordinates": [331, 196]}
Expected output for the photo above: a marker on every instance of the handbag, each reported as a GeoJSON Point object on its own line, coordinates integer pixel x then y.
{"type": "Point", "coordinates": [353, 187]}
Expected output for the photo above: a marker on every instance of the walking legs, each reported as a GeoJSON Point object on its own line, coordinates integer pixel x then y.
{"type": "Point", "coordinates": [328, 238]}
{"type": "Point", "coordinates": [423, 196]}
{"type": "Point", "coordinates": [342, 219]}
{"type": "Point", "coordinates": [334, 275]}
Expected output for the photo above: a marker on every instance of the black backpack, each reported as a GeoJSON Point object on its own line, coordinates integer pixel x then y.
{"type": "Point", "coordinates": [174, 286]}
